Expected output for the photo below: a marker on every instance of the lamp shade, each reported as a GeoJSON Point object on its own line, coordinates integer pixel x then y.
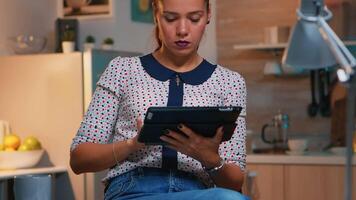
{"type": "Point", "coordinates": [306, 47]}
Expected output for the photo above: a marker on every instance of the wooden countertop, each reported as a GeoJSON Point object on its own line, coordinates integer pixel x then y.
{"type": "Point", "coordinates": [313, 158]}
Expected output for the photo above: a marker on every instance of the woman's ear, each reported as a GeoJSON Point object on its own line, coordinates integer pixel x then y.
{"type": "Point", "coordinates": [209, 14]}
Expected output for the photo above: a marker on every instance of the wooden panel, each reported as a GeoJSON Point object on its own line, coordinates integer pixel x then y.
{"type": "Point", "coordinates": [315, 182]}
{"type": "Point", "coordinates": [269, 180]}
{"type": "Point", "coordinates": [267, 94]}
{"type": "Point", "coordinates": [244, 22]}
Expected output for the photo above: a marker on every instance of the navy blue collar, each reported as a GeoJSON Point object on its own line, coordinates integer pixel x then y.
{"type": "Point", "coordinates": [195, 77]}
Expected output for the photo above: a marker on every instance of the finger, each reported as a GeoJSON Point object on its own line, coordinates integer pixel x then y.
{"type": "Point", "coordinates": [187, 131]}
{"type": "Point", "coordinates": [139, 124]}
{"type": "Point", "coordinates": [179, 137]}
{"type": "Point", "coordinates": [219, 134]}
{"type": "Point", "coordinates": [169, 140]}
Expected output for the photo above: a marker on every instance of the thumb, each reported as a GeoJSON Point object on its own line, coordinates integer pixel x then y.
{"type": "Point", "coordinates": [219, 134]}
{"type": "Point", "coordinates": [139, 124]}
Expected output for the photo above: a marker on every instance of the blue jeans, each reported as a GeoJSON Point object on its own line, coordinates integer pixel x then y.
{"type": "Point", "coordinates": [153, 183]}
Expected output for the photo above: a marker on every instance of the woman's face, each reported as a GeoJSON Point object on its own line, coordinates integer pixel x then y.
{"type": "Point", "coordinates": [181, 25]}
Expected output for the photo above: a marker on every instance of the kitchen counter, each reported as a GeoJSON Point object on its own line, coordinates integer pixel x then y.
{"type": "Point", "coordinates": [313, 158]}
{"type": "Point", "coordinates": [8, 174]}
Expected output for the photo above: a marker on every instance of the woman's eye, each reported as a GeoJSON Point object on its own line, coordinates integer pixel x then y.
{"type": "Point", "coordinates": [195, 19]}
{"type": "Point", "coordinates": [169, 18]}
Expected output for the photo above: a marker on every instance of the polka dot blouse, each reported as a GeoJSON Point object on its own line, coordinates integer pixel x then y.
{"type": "Point", "coordinates": [130, 85]}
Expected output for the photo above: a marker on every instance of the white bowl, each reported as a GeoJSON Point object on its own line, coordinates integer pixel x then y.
{"type": "Point", "coordinates": [297, 144]}
{"type": "Point", "coordinates": [19, 159]}
{"type": "Point", "coordinates": [338, 150]}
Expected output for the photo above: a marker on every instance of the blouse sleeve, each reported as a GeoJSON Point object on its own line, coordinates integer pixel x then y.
{"type": "Point", "coordinates": [233, 151]}
{"type": "Point", "coordinates": [99, 121]}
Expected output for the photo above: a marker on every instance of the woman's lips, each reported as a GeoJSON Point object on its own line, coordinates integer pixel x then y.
{"type": "Point", "coordinates": [182, 44]}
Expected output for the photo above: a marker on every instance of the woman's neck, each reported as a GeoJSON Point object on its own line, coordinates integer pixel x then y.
{"type": "Point", "coordinates": [177, 63]}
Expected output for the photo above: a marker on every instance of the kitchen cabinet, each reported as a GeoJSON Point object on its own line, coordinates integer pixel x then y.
{"type": "Point", "coordinates": [41, 95]}
{"type": "Point", "coordinates": [315, 182]}
{"type": "Point", "coordinates": [295, 182]}
{"type": "Point", "coordinates": [269, 181]}
{"type": "Point", "coordinates": [46, 95]}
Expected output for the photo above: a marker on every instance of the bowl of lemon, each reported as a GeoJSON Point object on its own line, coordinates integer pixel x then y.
{"type": "Point", "coordinates": [17, 154]}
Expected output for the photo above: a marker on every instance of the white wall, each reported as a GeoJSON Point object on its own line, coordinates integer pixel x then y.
{"type": "Point", "coordinates": [23, 16]}
{"type": "Point", "coordinates": [135, 36]}
{"type": "Point", "coordinates": [26, 17]}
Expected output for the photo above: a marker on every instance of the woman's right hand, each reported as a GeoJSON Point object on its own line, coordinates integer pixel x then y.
{"type": "Point", "coordinates": [133, 142]}
{"type": "Point", "coordinates": [93, 157]}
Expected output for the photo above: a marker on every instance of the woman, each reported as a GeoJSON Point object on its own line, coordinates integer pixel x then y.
{"type": "Point", "coordinates": [173, 75]}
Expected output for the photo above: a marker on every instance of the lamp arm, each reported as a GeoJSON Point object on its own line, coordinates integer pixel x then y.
{"type": "Point", "coordinates": [341, 53]}
{"type": "Point", "coordinates": [336, 39]}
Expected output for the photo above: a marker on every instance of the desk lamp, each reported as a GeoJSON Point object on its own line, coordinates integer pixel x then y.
{"type": "Point", "coordinates": [314, 45]}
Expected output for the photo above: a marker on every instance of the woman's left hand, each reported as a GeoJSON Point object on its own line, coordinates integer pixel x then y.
{"type": "Point", "coordinates": [203, 149]}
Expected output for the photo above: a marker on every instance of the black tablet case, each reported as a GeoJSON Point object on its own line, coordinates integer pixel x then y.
{"type": "Point", "coordinates": [202, 120]}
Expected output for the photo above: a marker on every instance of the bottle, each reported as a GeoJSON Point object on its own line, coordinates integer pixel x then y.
{"type": "Point", "coordinates": [285, 128]}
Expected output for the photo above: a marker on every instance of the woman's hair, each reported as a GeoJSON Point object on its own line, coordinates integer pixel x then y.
{"type": "Point", "coordinates": [155, 7]}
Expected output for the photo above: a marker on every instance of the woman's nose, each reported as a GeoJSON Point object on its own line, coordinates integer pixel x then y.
{"type": "Point", "coordinates": [182, 29]}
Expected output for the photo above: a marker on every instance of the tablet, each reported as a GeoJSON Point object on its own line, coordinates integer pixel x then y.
{"type": "Point", "coordinates": [202, 120]}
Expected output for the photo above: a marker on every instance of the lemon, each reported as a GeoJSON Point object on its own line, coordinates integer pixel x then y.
{"type": "Point", "coordinates": [1, 147]}
{"type": "Point", "coordinates": [32, 143]}
{"type": "Point", "coordinates": [24, 147]}
{"type": "Point", "coordinates": [12, 141]}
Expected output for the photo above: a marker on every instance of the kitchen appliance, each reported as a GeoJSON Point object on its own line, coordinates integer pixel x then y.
{"type": "Point", "coordinates": [280, 126]}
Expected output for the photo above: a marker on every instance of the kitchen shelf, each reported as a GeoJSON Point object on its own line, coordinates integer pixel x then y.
{"type": "Point", "coordinates": [261, 46]}
{"type": "Point", "coordinates": [279, 46]}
